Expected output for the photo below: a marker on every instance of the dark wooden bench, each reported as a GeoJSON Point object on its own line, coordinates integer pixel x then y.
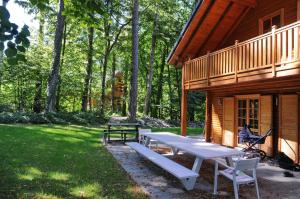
{"type": "Point", "coordinates": [122, 130]}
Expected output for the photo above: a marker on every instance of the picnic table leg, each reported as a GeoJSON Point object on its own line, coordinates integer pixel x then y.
{"type": "Point", "coordinates": [197, 165]}
{"type": "Point", "coordinates": [108, 136]}
{"type": "Point", "coordinates": [229, 161]}
{"type": "Point", "coordinates": [137, 133]}
{"type": "Point", "coordinates": [174, 151]}
{"type": "Point", "coordinates": [190, 183]}
{"type": "Point", "coordinates": [147, 142]}
{"type": "Point", "coordinates": [125, 137]}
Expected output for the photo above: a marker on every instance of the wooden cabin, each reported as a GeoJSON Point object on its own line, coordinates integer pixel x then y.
{"type": "Point", "coordinates": [244, 54]}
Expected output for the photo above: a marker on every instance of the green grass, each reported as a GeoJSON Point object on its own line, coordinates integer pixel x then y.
{"type": "Point", "coordinates": [59, 162]}
{"type": "Point", "coordinates": [55, 161]}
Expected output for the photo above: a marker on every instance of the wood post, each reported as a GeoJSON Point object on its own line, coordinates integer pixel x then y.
{"type": "Point", "coordinates": [184, 112]}
{"type": "Point", "coordinates": [236, 60]}
{"type": "Point", "coordinates": [183, 103]}
{"type": "Point", "coordinates": [274, 50]}
{"type": "Point", "coordinates": [298, 9]}
{"type": "Point", "coordinates": [208, 68]}
{"type": "Point", "coordinates": [208, 117]}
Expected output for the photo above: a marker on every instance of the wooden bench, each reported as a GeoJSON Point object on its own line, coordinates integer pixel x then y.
{"type": "Point", "coordinates": [185, 175]}
{"type": "Point", "coordinates": [122, 132]}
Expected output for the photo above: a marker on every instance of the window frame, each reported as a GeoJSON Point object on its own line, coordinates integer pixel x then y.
{"type": "Point", "coordinates": [270, 16]}
{"type": "Point", "coordinates": [248, 98]}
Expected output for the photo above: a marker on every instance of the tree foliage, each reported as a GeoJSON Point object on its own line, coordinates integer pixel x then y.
{"type": "Point", "coordinates": [111, 52]}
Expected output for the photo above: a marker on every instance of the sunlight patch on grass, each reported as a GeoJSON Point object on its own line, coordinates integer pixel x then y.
{"type": "Point", "coordinates": [60, 176]}
{"type": "Point", "coordinates": [86, 191]}
{"type": "Point", "coordinates": [135, 190]}
{"type": "Point", "coordinates": [30, 173]}
{"type": "Point", "coordinates": [45, 196]}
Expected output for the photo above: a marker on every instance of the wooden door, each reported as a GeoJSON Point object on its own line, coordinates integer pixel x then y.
{"type": "Point", "coordinates": [288, 133]}
{"type": "Point", "coordinates": [266, 122]}
{"type": "Point", "coordinates": [228, 138]}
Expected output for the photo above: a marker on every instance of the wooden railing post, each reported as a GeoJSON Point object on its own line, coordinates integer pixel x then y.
{"type": "Point", "coordinates": [207, 67]}
{"type": "Point", "coordinates": [274, 50]}
{"type": "Point", "coordinates": [236, 60]}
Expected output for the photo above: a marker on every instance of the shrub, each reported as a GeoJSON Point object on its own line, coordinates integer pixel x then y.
{"type": "Point", "coordinates": [52, 118]}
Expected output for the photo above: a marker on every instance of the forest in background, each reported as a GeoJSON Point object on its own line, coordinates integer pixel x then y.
{"type": "Point", "coordinates": [70, 63]}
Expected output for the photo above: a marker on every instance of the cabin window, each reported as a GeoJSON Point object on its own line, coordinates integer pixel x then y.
{"type": "Point", "coordinates": [274, 19]}
{"type": "Point", "coordinates": [248, 113]}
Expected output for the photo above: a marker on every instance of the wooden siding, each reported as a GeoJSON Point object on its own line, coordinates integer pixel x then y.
{"type": "Point", "coordinates": [249, 26]}
{"type": "Point", "coordinates": [288, 126]}
{"type": "Point", "coordinates": [217, 119]}
{"type": "Point", "coordinates": [228, 138]}
{"type": "Point", "coordinates": [266, 117]}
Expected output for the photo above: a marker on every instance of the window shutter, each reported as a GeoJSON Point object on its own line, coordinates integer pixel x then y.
{"type": "Point", "coordinates": [288, 134]}
{"type": "Point", "coordinates": [228, 122]}
{"type": "Point", "coordinates": [266, 121]}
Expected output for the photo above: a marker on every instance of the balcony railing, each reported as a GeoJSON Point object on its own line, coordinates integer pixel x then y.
{"type": "Point", "coordinates": [266, 54]}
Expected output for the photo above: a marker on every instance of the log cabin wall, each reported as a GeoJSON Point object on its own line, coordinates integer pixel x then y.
{"type": "Point", "coordinates": [249, 26]}
{"type": "Point", "coordinates": [217, 119]}
{"type": "Point", "coordinates": [288, 120]}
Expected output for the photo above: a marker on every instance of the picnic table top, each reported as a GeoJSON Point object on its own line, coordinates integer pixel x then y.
{"type": "Point", "coordinates": [123, 124]}
{"type": "Point", "coordinates": [201, 149]}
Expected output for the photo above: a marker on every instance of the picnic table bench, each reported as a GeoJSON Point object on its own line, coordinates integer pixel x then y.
{"type": "Point", "coordinates": [200, 149]}
{"type": "Point", "coordinates": [122, 129]}
{"type": "Point", "coordinates": [185, 175]}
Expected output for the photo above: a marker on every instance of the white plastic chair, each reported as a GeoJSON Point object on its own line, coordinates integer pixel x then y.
{"type": "Point", "coordinates": [141, 135]}
{"type": "Point", "coordinates": [236, 174]}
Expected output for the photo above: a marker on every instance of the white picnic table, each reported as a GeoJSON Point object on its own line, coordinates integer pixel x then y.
{"type": "Point", "coordinates": [200, 149]}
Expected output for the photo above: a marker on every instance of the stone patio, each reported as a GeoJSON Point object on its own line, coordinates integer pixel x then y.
{"type": "Point", "coordinates": [159, 184]}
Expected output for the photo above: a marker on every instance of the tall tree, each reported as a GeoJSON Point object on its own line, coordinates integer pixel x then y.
{"type": "Point", "coordinates": [113, 81]}
{"type": "Point", "coordinates": [62, 60]}
{"type": "Point", "coordinates": [89, 67]}
{"type": "Point", "coordinates": [112, 31]}
{"type": "Point", "coordinates": [160, 81]}
{"type": "Point", "coordinates": [150, 69]}
{"type": "Point", "coordinates": [135, 61]}
{"type": "Point", "coordinates": [54, 73]}
{"type": "Point", "coordinates": [37, 103]}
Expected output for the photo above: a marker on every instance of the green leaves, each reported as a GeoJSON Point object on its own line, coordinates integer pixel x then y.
{"type": "Point", "coordinates": [21, 49]}
{"type": "Point", "coordinates": [1, 46]}
{"type": "Point", "coordinates": [4, 14]}
{"type": "Point", "coordinates": [11, 52]}
{"type": "Point", "coordinates": [17, 42]}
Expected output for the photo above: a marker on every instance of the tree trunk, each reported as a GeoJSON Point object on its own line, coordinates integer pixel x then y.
{"type": "Point", "coordinates": [160, 81]}
{"type": "Point", "coordinates": [150, 74]}
{"type": "Point", "coordinates": [90, 96]}
{"type": "Point", "coordinates": [37, 103]}
{"type": "Point", "coordinates": [124, 105]}
{"type": "Point", "coordinates": [89, 68]}
{"type": "Point", "coordinates": [113, 84]}
{"type": "Point", "coordinates": [4, 2]}
{"type": "Point", "coordinates": [170, 93]}
{"type": "Point", "coordinates": [135, 62]}
{"type": "Point", "coordinates": [58, 92]}
{"type": "Point", "coordinates": [54, 73]}
{"type": "Point", "coordinates": [104, 70]}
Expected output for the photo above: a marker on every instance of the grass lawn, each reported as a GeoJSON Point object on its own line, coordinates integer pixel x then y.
{"type": "Point", "coordinates": [53, 161]}
{"type": "Point", "coordinates": [59, 162]}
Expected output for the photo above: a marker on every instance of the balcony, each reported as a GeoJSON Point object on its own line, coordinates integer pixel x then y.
{"type": "Point", "coordinates": [271, 55]}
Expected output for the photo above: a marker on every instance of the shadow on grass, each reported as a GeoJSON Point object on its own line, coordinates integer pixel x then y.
{"type": "Point", "coordinates": [59, 162]}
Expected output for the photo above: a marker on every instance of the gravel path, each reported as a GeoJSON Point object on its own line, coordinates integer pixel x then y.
{"type": "Point", "coordinates": [159, 184]}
